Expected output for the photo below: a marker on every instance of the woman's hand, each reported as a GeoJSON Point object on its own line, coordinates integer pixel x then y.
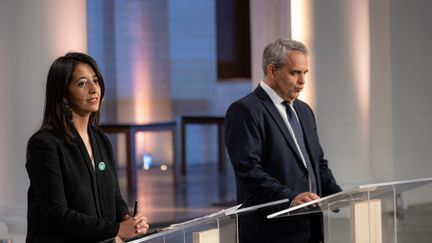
{"type": "Point", "coordinates": [132, 226]}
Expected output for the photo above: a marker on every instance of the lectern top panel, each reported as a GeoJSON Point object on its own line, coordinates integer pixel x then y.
{"type": "Point", "coordinates": [355, 194]}
{"type": "Point", "coordinates": [257, 207]}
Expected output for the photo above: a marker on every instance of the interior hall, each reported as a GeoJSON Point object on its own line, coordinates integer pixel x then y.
{"type": "Point", "coordinates": [172, 68]}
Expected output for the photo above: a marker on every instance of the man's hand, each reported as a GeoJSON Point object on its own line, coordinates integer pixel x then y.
{"type": "Point", "coordinates": [304, 198]}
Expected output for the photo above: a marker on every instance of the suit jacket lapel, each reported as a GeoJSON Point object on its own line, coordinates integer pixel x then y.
{"type": "Point", "coordinates": [89, 165]}
{"type": "Point", "coordinates": [274, 113]}
{"type": "Point", "coordinates": [98, 174]}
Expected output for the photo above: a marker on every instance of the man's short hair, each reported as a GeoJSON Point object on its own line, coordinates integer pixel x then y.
{"type": "Point", "coordinates": [275, 52]}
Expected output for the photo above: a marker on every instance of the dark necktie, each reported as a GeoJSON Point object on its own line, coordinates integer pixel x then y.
{"type": "Point", "coordinates": [295, 125]}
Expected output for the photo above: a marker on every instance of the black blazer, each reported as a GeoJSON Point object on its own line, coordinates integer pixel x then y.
{"type": "Point", "coordinates": [68, 199]}
{"type": "Point", "coordinates": [268, 166]}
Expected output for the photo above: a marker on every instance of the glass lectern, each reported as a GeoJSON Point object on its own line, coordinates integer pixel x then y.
{"type": "Point", "coordinates": [214, 228]}
{"type": "Point", "coordinates": [363, 214]}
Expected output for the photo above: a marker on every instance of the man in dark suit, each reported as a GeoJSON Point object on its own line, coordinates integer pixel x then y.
{"type": "Point", "coordinates": [272, 141]}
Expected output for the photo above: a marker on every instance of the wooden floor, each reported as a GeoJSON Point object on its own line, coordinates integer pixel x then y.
{"type": "Point", "coordinates": [206, 191]}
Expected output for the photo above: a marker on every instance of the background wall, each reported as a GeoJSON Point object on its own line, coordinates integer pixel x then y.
{"type": "Point", "coordinates": [32, 34]}
{"type": "Point", "coordinates": [411, 60]}
{"type": "Point", "coordinates": [371, 63]}
{"type": "Point", "coordinates": [341, 52]}
{"type": "Point", "coordinates": [160, 60]}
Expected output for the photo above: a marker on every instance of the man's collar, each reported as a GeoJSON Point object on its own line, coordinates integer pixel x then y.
{"type": "Point", "coordinates": [272, 93]}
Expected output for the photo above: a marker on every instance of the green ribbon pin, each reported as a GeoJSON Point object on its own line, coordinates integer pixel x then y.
{"type": "Point", "coordinates": [101, 166]}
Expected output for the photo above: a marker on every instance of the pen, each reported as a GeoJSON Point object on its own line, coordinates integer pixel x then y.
{"type": "Point", "coordinates": [135, 208]}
